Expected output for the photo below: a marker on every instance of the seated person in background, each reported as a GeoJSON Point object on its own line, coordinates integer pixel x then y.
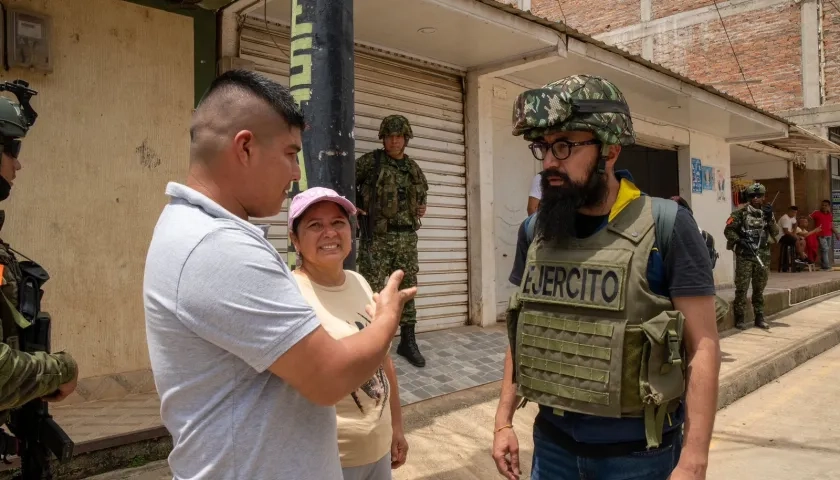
{"type": "Point", "coordinates": [807, 246]}
{"type": "Point", "coordinates": [370, 429]}
{"type": "Point", "coordinates": [787, 239]}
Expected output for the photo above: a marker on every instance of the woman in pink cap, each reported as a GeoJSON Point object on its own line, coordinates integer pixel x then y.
{"type": "Point", "coordinates": [370, 433]}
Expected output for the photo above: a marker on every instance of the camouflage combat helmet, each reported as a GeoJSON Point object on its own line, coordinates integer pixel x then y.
{"type": "Point", "coordinates": [577, 102]}
{"type": "Point", "coordinates": [395, 125]}
{"type": "Point", "coordinates": [756, 189]}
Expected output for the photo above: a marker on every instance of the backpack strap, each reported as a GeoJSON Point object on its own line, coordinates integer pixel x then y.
{"type": "Point", "coordinates": [530, 227]}
{"type": "Point", "coordinates": [664, 216]}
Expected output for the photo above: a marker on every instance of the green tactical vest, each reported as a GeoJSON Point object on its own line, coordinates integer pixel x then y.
{"type": "Point", "coordinates": [588, 334]}
{"type": "Point", "coordinates": [399, 191]}
{"type": "Point", "coordinates": [755, 229]}
{"type": "Point", "coordinates": [11, 320]}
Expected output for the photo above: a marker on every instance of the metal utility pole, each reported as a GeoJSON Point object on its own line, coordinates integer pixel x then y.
{"type": "Point", "coordinates": [321, 81]}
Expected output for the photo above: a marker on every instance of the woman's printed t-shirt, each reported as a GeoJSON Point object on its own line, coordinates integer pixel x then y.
{"type": "Point", "coordinates": [363, 417]}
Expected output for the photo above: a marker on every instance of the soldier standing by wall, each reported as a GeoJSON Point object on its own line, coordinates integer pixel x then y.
{"type": "Point", "coordinates": [26, 376]}
{"type": "Point", "coordinates": [749, 231]}
{"type": "Point", "coordinates": [391, 195]}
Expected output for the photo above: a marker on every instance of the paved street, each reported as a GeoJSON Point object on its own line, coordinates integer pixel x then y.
{"type": "Point", "coordinates": [788, 429]}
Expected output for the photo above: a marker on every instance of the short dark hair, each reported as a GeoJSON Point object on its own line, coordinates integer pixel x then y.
{"type": "Point", "coordinates": [277, 96]}
{"type": "Point", "coordinates": [794, 208]}
{"type": "Point", "coordinates": [826, 201]}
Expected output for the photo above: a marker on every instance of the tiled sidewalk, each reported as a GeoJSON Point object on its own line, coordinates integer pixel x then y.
{"type": "Point", "coordinates": [455, 360]}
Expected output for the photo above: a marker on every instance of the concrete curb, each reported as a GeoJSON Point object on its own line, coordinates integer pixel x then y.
{"type": "Point", "coordinates": [767, 368]}
{"type": "Point", "coordinates": [783, 301]}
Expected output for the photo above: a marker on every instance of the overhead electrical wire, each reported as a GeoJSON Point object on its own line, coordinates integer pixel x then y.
{"type": "Point", "coordinates": [735, 54]}
{"type": "Point", "coordinates": [562, 14]}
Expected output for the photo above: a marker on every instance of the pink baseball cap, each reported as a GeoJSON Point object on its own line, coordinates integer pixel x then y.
{"type": "Point", "coordinates": [311, 196]}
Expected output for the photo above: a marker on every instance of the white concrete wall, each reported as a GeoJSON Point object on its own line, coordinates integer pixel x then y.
{"type": "Point", "coordinates": [513, 169]}
{"type": "Point", "coordinates": [757, 165]}
{"type": "Point", "coordinates": [762, 170]}
{"type": "Point", "coordinates": [710, 212]}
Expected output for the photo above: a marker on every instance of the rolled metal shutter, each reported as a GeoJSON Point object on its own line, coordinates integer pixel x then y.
{"type": "Point", "coordinates": [433, 101]}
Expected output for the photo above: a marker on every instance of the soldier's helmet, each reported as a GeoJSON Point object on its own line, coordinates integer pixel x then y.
{"type": "Point", "coordinates": [755, 190]}
{"type": "Point", "coordinates": [577, 102]}
{"type": "Point", "coordinates": [12, 123]}
{"type": "Point", "coordinates": [15, 118]}
{"type": "Point", "coordinates": [395, 125]}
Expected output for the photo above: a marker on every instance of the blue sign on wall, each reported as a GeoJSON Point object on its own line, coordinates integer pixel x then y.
{"type": "Point", "coordinates": [696, 176]}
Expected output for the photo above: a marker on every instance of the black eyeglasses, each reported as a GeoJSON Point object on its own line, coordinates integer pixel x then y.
{"type": "Point", "coordinates": [561, 149]}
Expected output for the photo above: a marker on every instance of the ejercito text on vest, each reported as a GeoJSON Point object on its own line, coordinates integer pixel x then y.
{"type": "Point", "coordinates": [587, 333]}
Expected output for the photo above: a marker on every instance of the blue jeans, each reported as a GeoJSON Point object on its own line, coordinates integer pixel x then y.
{"type": "Point", "coordinates": [825, 251]}
{"type": "Point", "coordinates": [552, 462]}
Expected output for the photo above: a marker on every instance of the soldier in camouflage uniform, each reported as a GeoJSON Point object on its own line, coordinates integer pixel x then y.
{"type": "Point", "coordinates": [391, 196]}
{"type": "Point", "coordinates": [25, 376]}
{"type": "Point", "coordinates": [749, 232]}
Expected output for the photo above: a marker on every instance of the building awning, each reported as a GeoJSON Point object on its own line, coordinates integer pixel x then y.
{"type": "Point", "coordinates": [802, 141]}
{"type": "Point", "coordinates": [491, 38]}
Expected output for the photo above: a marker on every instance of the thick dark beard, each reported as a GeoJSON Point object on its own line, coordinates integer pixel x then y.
{"type": "Point", "coordinates": [559, 205]}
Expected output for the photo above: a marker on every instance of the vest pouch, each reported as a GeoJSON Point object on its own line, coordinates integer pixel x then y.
{"type": "Point", "coordinates": [570, 362]}
{"type": "Point", "coordinates": [662, 374]}
{"type": "Point", "coordinates": [380, 226]}
{"type": "Point", "coordinates": [388, 194]}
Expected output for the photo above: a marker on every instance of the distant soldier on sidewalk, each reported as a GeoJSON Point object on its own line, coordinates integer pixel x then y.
{"type": "Point", "coordinates": [749, 232]}
{"type": "Point", "coordinates": [391, 195]}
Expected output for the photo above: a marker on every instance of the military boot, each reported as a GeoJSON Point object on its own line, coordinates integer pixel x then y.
{"type": "Point", "coordinates": [760, 323]}
{"type": "Point", "coordinates": [408, 347]}
{"type": "Point", "coordinates": [740, 323]}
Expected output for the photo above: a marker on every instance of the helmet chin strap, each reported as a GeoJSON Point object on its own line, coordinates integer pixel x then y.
{"type": "Point", "coordinates": [602, 159]}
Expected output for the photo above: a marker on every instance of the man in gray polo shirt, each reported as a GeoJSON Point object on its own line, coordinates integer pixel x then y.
{"type": "Point", "coordinates": [247, 377]}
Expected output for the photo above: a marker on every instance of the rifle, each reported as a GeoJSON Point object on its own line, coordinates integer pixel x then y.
{"type": "Point", "coordinates": [369, 225]}
{"type": "Point", "coordinates": [35, 431]}
{"type": "Point", "coordinates": [749, 244]}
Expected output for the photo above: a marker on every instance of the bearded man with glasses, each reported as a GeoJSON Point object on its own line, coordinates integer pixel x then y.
{"type": "Point", "coordinates": [612, 331]}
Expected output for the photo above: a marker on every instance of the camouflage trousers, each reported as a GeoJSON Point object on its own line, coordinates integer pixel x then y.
{"type": "Point", "coordinates": [381, 256]}
{"type": "Point", "coordinates": [747, 270]}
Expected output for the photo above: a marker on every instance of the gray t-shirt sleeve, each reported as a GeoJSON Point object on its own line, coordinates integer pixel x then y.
{"type": "Point", "coordinates": [236, 294]}
{"type": "Point", "coordinates": [688, 267]}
